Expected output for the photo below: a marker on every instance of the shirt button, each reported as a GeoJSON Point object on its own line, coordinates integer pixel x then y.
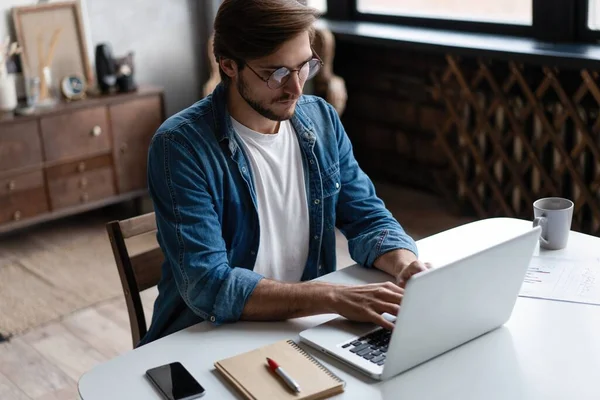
{"type": "Point", "coordinates": [317, 201]}
{"type": "Point", "coordinates": [316, 237]}
{"type": "Point", "coordinates": [244, 169]}
{"type": "Point", "coordinates": [312, 161]}
{"type": "Point", "coordinates": [253, 252]}
{"type": "Point", "coordinates": [337, 185]}
{"type": "Point", "coordinates": [320, 268]}
{"type": "Point", "coordinates": [212, 318]}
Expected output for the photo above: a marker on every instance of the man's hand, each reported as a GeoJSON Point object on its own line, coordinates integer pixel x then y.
{"type": "Point", "coordinates": [366, 303]}
{"type": "Point", "coordinates": [409, 270]}
{"type": "Point", "coordinates": [275, 301]}
{"type": "Point", "coordinates": [401, 264]}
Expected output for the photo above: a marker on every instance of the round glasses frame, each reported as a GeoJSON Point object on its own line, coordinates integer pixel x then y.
{"type": "Point", "coordinates": [273, 82]}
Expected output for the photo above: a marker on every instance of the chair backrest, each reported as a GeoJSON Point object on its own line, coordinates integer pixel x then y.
{"type": "Point", "coordinates": [137, 271]}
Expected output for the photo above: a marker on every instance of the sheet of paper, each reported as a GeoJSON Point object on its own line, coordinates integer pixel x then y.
{"type": "Point", "coordinates": [563, 279]}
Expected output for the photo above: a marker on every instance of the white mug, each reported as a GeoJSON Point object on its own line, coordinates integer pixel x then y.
{"type": "Point", "coordinates": [554, 215]}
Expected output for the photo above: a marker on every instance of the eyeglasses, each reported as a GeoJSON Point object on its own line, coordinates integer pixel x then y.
{"type": "Point", "coordinates": [282, 75]}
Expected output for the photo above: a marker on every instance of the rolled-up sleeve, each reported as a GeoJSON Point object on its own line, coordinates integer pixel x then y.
{"type": "Point", "coordinates": [189, 233]}
{"type": "Point", "coordinates": [362, 217]}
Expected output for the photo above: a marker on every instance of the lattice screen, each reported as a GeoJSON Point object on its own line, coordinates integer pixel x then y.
{"type": "Point", "coordinates": [514, 134]}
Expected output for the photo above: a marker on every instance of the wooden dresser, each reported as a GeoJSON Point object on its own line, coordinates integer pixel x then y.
{"type": "Point", "coordinates": [76, 156]}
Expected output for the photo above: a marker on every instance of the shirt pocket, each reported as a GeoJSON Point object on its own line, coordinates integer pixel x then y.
{"type": "Point", "coordinates": [331, 181]}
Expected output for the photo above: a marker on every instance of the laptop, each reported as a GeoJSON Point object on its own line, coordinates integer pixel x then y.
{"type": "Point", "coordinates": [442, 308]}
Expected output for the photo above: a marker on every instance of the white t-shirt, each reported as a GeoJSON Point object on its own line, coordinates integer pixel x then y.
{"type": "Point", "coordinates": [276, 163]}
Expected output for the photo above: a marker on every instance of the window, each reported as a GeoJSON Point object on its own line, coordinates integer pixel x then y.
{"type": "Point", "coordinates": [593, 19]}
{"type": "Point", "coordinates": [553, 21]}
{"type": "Point", "coordinates": [514, 12]}
{"type": "Point", "coordinates": [320, 5]}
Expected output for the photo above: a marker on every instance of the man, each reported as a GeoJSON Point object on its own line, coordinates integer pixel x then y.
{"type": "Point", "coordinates": [249, 184]}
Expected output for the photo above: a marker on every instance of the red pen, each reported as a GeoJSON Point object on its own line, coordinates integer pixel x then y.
{"type": "Point", "coordinates": [286, 378]}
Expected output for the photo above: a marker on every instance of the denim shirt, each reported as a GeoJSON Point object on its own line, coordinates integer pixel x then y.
{"type": "Point", "coordinates": [203, 193]}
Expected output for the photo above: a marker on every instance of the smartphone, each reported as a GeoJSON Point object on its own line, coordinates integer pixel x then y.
{"type": "Point", "coordinates": [175, 382]}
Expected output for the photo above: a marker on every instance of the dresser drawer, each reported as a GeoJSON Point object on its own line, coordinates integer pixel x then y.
{"type": "Point", "coordinates": [22, 196]}
{"type": "Point", "coordinates": [78, 167]}
{"type": "Point", "coordinates": [23, 204]}
{"type": "Point", "coordinates": [20, 183]}
{"type": "Point", "coordinates": [77, 134]}
{"type": "Point", "coordinates": [81, 188]}
{"type": "Point", "coordinates": [133, 125]}
{"type": "Point", "coordinates": [20, 145]}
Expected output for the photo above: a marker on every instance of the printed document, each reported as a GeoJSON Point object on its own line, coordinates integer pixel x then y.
{"type": "Point", "coordinates": [563, 279]}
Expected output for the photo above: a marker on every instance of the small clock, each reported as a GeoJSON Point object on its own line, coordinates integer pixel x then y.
{"type": "Point", "coordinates": [73, 87]}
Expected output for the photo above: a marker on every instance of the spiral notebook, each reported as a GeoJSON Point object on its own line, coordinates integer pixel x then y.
{"type": "Point", "coordinates": [249, 373]}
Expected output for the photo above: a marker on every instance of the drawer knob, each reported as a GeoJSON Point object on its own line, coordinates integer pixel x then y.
{"type": "Point", "coordinates": [17, 215]}
{"type": "Point", "coordinates": [96, 131]}
{"type": "Point", "coordinates": [85, 197]}
{"type": "Point", "coordinates": [81, 167]}
{"type": "Point", "coordinates": [124, 148]}
{"type": "Point", "coordinates": [83, 183]}
{"type": "Point", "coordinates": [11, 186]}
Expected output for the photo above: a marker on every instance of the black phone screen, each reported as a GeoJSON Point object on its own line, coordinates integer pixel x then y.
{"type": "Point", "coordinates": [175, 382]}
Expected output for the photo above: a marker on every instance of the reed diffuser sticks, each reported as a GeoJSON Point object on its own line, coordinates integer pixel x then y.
{"type": "Point", "coordinates": [45, 61]}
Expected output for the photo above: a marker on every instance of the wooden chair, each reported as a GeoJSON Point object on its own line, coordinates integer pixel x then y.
{"type": "Point", "coordinates": [139, 271]}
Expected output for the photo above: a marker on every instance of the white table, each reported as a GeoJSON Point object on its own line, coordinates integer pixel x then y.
{"type": "Point", "coordinates": [547, 350]}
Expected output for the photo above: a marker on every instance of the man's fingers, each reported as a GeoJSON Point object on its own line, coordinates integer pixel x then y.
{"type": "Point", "coordinates": [394, 288]}
{"type": "Point", "coordinates": [412, 269]}
{"type": "Point", "coordinates": [390, 308]}
{"type": "Point", "coordinates": [381, 321]}
{"type": "Point", "coordinates": [389, 296]}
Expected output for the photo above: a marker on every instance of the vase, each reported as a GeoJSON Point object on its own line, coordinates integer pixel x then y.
{"type": "Point", "coordinates": [48, 95]}
{"type": "Point", "coordinates": [8, 93]}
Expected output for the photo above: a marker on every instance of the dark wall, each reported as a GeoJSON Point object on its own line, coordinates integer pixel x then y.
{"type": "Point", "coordinates": [490, 135]}
{"type": "Point", "coordinates": [391, 115]}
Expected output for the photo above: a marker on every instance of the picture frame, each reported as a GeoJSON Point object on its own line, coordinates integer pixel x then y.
{"type": "Point", "coordinates": [53, 32]}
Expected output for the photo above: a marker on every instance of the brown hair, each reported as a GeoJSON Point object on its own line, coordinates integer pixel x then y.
{"type": "Point", "coordinates": [250, 29]}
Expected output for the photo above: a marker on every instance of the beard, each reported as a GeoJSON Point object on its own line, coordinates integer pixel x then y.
{"type": "Point", "coordinates": [261, 107]}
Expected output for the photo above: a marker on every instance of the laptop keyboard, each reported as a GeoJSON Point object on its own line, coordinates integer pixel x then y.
{"type": "Point", "coordinates": [372, 347]}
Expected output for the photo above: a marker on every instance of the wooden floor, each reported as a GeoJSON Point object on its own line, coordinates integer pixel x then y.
{"type": "Point", "coordinates": [45, 363]}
